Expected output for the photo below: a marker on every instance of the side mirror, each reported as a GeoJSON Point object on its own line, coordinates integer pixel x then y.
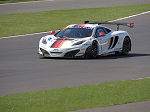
{"type": "Point", "coordinates": [52, 32]}
{"type": "Point", "coordinates": [101, 34]}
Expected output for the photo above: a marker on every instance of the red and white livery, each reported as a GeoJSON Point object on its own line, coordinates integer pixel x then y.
{"type": "Point", "coordinates": [86, 40]}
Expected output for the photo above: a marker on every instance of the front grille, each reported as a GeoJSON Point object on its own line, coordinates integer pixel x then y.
{"type": "Point", "coordinates": [44, 51]}
{"type": "Point", "coordinates": [71, 53]}
{"type": "Point", "coordinates": [57, 53]}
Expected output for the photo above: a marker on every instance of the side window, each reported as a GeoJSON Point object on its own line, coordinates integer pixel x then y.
{"type": "Point", "coordinates": [99, 30]}
{"type": "Point", "coordinates": [107, 30]}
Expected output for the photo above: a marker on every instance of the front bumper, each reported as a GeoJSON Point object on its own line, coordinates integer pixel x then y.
{"type": "Point", "coordinates": [52, 52]}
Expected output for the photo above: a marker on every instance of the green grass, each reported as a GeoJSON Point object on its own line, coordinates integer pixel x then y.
{"type": "Point", "coordinates": [15, 24]}
{"type": "Point", "coordinates": [14, 1]}
{"type": "Point", "coordinates": [76, 98]}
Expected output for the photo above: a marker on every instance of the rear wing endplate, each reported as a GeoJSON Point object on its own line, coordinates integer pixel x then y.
{"type": "Point", "coordinates": [131, 25]}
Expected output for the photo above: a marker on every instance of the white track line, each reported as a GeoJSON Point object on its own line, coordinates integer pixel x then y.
{"type": "Point", "coordinates": [142, 78]}
{"type": "Point", "coordinates": [130, 16]}
{"type": "Point", "coordinates": [47, 32]}
{"type": "Point", "coordinates": [22, 35]}
{"type": "Point", "coordinates": [26, 2]}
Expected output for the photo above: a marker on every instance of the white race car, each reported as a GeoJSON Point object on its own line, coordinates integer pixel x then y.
{"type": "Point", "coordinates": [86, 40]}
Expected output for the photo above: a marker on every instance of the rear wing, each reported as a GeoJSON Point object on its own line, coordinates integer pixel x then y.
{"type": "Point", "coordinates": [131, 25]}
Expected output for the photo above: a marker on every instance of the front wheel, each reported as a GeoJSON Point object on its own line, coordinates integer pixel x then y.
{"type": "Point", "coordinates": [126, 46]}
{"type": "Point", "coordinates": [91, 51]}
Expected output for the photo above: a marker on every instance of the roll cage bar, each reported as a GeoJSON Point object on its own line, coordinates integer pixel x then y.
{"type": "Point", "coordinates": [131, 25]}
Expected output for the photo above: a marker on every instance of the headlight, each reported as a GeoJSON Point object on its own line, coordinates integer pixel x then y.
{"type": "Point", "coordinates": [78, 43]}
{"type": "Point", "coordinates": [44, 41]}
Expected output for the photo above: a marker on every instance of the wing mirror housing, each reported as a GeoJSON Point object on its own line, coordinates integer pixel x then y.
{"type": "Point", "coordinates": [101, 34]}
{"type": "Point", "coordinates": [52, 32]}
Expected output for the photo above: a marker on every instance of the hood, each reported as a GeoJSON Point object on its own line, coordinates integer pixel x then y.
{"type": "Point", "coordinates": [55, 42]}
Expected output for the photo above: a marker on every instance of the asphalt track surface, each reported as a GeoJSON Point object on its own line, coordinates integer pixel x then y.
{"type": "Point", "coordinates": [131, 107]}
{"type": "Point", "coordinates": [64, 4]}
{"type": "Point", "coordinates": [21, 70]}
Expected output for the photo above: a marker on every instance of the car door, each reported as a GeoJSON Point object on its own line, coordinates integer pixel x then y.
{"type": "Point", "coordinates": [103, 38]}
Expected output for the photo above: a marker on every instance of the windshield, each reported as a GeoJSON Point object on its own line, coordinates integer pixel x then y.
{"type": "Point", "coordinates": [74, 33]}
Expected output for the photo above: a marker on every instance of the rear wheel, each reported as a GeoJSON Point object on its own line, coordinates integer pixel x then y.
{"type": "Point", "coordinates": [91, 51]}
{"type": "Point", "coordinates": [126, 46]}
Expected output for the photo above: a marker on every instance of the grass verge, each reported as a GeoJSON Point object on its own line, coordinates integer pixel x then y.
{"type": "Point", "coordinates": [16, 24]}
{"type": "Point", "coordinates": [76, 98]}
{"type": "Point", "coordinates": [14, 1]}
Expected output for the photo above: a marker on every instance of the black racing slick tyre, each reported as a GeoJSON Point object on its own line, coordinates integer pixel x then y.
{"type": "Point", "coordinates": [126, 46]}
{"type": "Point", "coordinates": [91, 51]}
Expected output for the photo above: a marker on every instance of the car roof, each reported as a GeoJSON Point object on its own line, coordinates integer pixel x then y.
{"type": "Point", "coordinates": [82, 25]}
{"type": "Point", "coordinates": [89, 26]}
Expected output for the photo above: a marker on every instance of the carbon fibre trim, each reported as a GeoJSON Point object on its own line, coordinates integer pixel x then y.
{"type": "Point", "coordinates": [71, 53]}
{"type": "Point", "coordinates": [111, 41]}
{"type": "Point", "coordinates": [115, 41]}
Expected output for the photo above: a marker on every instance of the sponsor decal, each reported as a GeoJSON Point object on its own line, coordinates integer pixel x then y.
{"type": "Point", "coordinates": [117, 49]}
{"type": "Point", "coordinates": [104, 54]}
{"type": "Point", "coordinates": [81, 25]}
{"type": "Point", "coordinates": [106, 42]}
{"type": "Point", "coordinates": [56, 50]}
{"type": "Point", "coordinates": [49, 39]}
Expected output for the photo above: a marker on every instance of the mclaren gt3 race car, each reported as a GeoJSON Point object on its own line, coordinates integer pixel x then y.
{"type": "Point", "coordinates": [86, 40]}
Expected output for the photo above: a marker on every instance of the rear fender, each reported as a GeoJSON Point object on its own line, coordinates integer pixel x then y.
{"type": "Point", "coordinates": [121, 36]}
